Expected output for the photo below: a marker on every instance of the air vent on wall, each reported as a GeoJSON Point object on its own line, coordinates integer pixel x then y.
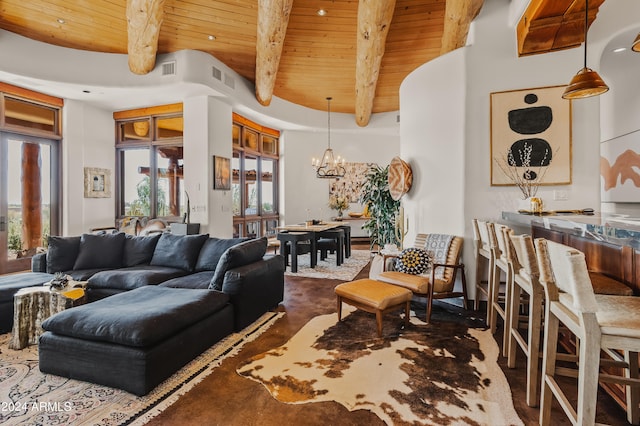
{"type": "Point", "coordinates": [229, 81]}
{"type": "Point", "coordinates": [169, 68]}
{"type": "Point", "coordinates": [216, 73]}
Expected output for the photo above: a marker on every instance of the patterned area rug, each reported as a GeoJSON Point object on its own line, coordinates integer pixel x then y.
{"type": "Point", "coordinates": [29, 397]}
{"type": "Point", "coordinates": [327, 268]}
{"type": "Point", "coordinates": [441, 374]}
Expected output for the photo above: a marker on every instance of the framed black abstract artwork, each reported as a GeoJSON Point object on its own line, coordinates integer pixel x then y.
{"type": "Point", "coordinates": [531, 136]}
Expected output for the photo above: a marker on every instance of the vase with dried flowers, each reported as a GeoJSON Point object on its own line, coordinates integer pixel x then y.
{"type": "Point", "coordinates": [526, 167]}
{"type": "Point", "coordinates": [339, 203]}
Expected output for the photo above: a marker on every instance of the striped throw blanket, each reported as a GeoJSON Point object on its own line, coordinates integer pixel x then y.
{"type": "Point", "coordinates": [437, 245]}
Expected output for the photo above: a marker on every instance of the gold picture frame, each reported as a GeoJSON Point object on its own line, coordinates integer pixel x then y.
{"type": "Point", "coordinates": [538, 119]}
{"type": "Point", "coordinates": [97, 182]}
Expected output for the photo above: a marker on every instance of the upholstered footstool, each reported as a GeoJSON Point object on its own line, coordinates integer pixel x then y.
{"type": "Point", "coordinates": [375, 297]}
{"type": "Point", "coordinates": [134, 340]}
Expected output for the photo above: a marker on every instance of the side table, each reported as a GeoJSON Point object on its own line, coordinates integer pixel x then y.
{"type": "Point", "coordinates": [32, 305]}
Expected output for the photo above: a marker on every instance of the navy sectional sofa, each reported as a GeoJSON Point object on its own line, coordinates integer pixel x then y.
{"type": "Point", "coordinates": [116, 263]}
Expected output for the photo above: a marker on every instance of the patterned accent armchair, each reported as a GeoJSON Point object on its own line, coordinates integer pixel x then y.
{"type": "Point", "coordinates": [438, 282]}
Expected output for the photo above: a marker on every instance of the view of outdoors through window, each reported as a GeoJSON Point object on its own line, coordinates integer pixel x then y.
{"type": "Point", "coordinates": [29, 171]}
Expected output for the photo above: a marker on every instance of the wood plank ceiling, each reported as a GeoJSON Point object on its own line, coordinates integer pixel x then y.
{"type": "Point", "coordinates": [358, 52]}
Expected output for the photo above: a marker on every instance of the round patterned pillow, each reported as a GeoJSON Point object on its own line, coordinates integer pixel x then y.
{"type": "Point", "coordinates": [413, 261]}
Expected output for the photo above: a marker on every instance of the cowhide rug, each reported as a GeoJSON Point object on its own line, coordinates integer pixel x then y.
{"type": "Point", "coordinates": [444, 373]}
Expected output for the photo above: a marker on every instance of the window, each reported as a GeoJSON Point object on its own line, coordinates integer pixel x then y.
{"type": "Point", "coordinates": [254, 186]}
{"type": "Point", "coordinates": [150, 163]}
{"type": "Point", "coordinates": [30, 207]}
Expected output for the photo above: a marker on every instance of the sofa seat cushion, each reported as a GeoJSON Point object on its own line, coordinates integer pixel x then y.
{"type": "Point", "coordinates": [84, 274]}
{"type": "Point", "coordinates": [10, 284]}
{"type": "Point", "coordinates": [138, 318]}
{"type": "Point", "coordinates": [134, 277]}
{"type": "Point", "coordinates": [198, 280]}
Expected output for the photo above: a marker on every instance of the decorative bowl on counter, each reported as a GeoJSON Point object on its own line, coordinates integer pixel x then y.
{"type": "Point", "coordinates": [355, 214]}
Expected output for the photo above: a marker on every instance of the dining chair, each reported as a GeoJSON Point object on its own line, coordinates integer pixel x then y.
{"type": "Point", "coordinates": [484, 263]}
{"type": "Point", "coordinates": [599, 322]}
{"type": "Point", "coordinates": [522, 257]}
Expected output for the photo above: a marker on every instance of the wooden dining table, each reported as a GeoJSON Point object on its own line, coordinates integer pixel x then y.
{"type": "Point", "coordinates": [303, 228]}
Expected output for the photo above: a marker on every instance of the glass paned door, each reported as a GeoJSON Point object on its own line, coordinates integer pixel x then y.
{"type": "Point", "coordinates": [28, 200]}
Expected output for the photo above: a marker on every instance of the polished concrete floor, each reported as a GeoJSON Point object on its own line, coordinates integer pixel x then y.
{"type": "Point", "coordinates": [225, 398]}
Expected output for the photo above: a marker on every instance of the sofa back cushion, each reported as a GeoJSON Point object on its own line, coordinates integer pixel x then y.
{"type": "Point", "coordinates": [178, 251]}
{"type": "Point", "coordinates": [138, 250]}
{"type": "Point", "coordinates": [241, 254]}
{"type": "Point", "coordinates": [62, 253]}
{"type": "Point", "coordinates": [100, 251]}
{"type": "Point", "coordinates": [212, 250]}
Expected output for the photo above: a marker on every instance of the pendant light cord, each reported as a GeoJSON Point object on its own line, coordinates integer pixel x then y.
{"type": "Point", "coordinates": [329, 121]}
{"type": "Point", "coordinates": [586, 30]}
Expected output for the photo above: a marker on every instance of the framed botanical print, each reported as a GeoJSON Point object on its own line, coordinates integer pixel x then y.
{"type": "Point", "coordinates": [531, 136]}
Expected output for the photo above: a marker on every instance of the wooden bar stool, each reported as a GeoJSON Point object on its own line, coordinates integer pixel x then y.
{"type": "Point", "coordinates": [484, 263]}
{"type": "Point", "coordinates": [522, 256]}
{"type": "Point", "coordinates": [599, 322]}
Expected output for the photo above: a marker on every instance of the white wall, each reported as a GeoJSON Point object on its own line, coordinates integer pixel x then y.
{"type": "Point", "coordinates": [207, 132]}
{"type": "Point", "coordinates": [88, 135]}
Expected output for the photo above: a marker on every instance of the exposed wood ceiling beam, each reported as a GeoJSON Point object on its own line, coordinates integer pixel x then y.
{"type": "Point", "coordinates": [549, 25]}
{"type": "Point", "coordinates": [273, 18]}
{"type": "Point", "coordinates": [144, 18]}
{"type": "Point", "coordinates": [457, 19]}
{"type": "Point", "coordinates": [374, 20]}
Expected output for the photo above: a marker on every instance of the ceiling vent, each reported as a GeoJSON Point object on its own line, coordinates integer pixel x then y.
{"type": "Point", "coordinates": [229, 81]}
{"type": "Point", "coordinates": [169, 68]}
{"type": "Point", "coordinates": [216, 73]}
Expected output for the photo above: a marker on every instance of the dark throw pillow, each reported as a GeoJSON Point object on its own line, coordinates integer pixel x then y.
{"type": "Point", "coordinates": [413, 261]}
{"type": "Point", "coordinates": [100, 251]}
{"type": "Point", "coordinates": [212, 250]}
{"type": "Point", "coordinates": [238, 255]}
{"type": "Point", "coordinates": [138, 250]}
{"type": "Point", "coordinates": [62, 253]}
{"type": "Point", "coordinates": [178, 251]}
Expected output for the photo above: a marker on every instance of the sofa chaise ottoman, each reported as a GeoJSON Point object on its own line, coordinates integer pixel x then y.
{"type": "Point", "coordinates": [134, 340]}
{"type": "Point", "coordinates": [9, 285]}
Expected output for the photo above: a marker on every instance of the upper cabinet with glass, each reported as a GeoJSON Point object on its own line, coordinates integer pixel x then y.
{"type": "Point", "coordinates": [139, 130]}
{"type": "Point", "coordinates": [269, 145]}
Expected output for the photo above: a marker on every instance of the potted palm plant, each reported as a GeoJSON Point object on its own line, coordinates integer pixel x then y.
{"type": "Point", "coordinates": [382, 208]}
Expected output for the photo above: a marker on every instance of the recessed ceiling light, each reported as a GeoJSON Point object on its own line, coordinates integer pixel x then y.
{"type": "Point", "coordinates": [60, 21]}
{"type": "Point", "coordinates": [321, 12]}
{"type": "Point", "coordinates": [619, 49]}
{"type": "Point", "coordinates": [211, 37]}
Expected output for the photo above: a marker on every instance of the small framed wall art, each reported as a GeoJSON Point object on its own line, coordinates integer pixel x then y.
{"type": "Point", "coordinates": [97, 182]}
{"type": "Point", "coordinates": [221, 173]}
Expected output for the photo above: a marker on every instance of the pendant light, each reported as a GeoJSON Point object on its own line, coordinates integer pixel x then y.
{"type": "Point", "coordinates": [636, 44]}
{"type": "Point", "coordinates": [329, 166]}
{"type": "Point", "coordinates": [586, 82]}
